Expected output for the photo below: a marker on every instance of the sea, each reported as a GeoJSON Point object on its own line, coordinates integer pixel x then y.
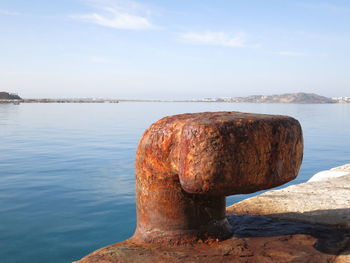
{"type": "Point", "coordinates": [67, 170]}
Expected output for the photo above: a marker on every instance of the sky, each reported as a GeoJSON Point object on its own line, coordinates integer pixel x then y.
{"type": "Point", "coordinates": [153, 49]}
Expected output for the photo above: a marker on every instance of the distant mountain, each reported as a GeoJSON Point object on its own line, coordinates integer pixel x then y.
{"type": "Point", "coordinates": [9, 96]}
{"type": "Point", "coordinates": [307, 98]}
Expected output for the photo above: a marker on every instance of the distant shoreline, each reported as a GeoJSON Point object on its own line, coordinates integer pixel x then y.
{"type": "Point", "coordinates": [154, 101]}
{"type": "Point", "coordinates": [290, 98]}
{"type": "Point", "coordinates": [14, 101]}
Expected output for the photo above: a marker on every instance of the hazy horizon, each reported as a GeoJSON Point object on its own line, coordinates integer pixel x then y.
{"type": "Point", "coordinates": [153, 49]}
{"type": "Point", "coordinates": [135, 97]}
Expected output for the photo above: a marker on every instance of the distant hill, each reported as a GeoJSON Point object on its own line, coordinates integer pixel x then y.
{"type": "Point", "coordinates": [282, 98]}
{"type": "Point", "coordinates": [297, 98]}
{"type": "Point", "coordinates": [9, 96]}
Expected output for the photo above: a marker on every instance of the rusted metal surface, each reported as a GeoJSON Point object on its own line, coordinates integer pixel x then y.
{"type": "Point", "coordinates": [187, 164]}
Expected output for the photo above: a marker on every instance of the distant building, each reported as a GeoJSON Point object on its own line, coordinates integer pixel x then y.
{"type": "Point", "coordinates": [342, 99]}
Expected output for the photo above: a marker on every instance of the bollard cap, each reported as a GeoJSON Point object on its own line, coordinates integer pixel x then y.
{"type": "Point", "coordinates": [223, 153]}
{"type": "Point", "coordinates": [227, 153]}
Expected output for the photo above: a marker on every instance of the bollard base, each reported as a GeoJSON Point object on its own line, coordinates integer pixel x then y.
{"type": "Point", "coordinates": [215, 231]}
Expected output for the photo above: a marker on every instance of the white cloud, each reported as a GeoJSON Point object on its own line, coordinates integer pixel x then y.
{"type": "Point", "coordinates": [290, 53]}
{"type": "Point", "coordinates": [8, 13]}
{"type": "Point", "coordinates": [215, 39]}
{"type": "Point", "coordinates": [116, 14]}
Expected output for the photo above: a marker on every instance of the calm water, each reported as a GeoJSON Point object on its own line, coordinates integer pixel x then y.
{"type": "Point", "coordinates": [67, 176]}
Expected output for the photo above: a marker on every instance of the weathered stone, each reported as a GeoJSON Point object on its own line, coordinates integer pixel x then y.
{"type": "Point", "coordinates": [321, 202]}
{"type": "Point", "coordinates": [332, 173]}
{"type": "Point", "coordinates": [344, 168]}
{"type": "Point", "coordinates": [326, 175]}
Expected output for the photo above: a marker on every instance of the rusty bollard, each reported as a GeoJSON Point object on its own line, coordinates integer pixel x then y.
{"type": "Point", "coordinates": [187, 164]}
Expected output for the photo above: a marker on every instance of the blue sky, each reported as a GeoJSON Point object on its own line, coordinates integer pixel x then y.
{"type": "Point", "coordinates": [174, 49]}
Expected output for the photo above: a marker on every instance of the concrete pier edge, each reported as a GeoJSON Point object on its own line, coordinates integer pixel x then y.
{"type": "Point", "coordinates": [324, 199]}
